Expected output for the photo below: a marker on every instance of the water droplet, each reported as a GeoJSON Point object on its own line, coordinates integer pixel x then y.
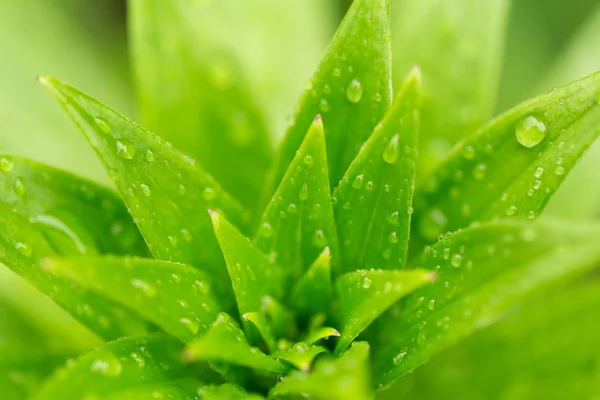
{"type": "Point", "coordinates": [456, 260]}
{"type": "Point", "coordinates": [398, 358]}
{"type": "Point", "coordinates": [6, 165]}
{"type": "Point", "coordinates": [23, 249]}
{"type": "Point", "coordinates": [209, 194]}
{"type": "Point", "coordinates": [559, 170]}
{"type": "Point", "coordinates": [265, 230]}
{"type": "Point", "coordinates": [530, 132]}
{"type": "Point", "coordinates": [366, 282]}
{"type": "Point", "coordinates": [539, 171]}
{"type": "Point", "coordinates": [354, 91]}
{"type": "Point", "coordinates": [358, 182]}
{"type": "Point", "coordinates": [149, 156]}
{"type": "Point", "coordinates": [336, 72]}
{"type": "Point", "coordinates": [20, 187]}
{"type": "Point", "coordinates": [185, 234]}
{"type": "Point", "coordinates": [479, 172]}
{"type": "Point", "coordinates": [390, 153]}
{"type": "Point", "coordinates": [300, 347]}
{"type": "Point", "coordinates": [393, 238]}
{"type": "Point", "coordinates": [191, 325]}
{"type": "Point", "coordinates": [531, 214]}
{"type": "Point", "coordinates": [139, 360]}
{"type": "Point", "coordinates": [308, 160]}
{"type": "Point", "coordinates": [370, 186]}
{"type": "Point", "coordinates": [468, 152]}
{"type": "Point", "coordinates": [146, 190]}
{"type": "Point", "coordinates": [103, 124]}
{"type": "Point", "coordinates": [319, 238]}
{"type": "Point", "coordinates": [125, 149]}
{"type": "Point", "coordinates": [431, 305]}
{"type": "Point", "coordinates": [108, 366]}
{"type": "Point", "coordinates": [324, 106]}
{"type": "Point", "coordinates": [304, 192]}
{"type": "Point", "coordinates": [145, 287]}
{"type": "Point", "coordinates": [512, 210]}
{"type": "Point", "coordinates": [393, 218]}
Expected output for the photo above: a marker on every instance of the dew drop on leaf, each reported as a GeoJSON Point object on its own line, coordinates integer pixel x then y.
{"type": "Point", "coordinates": [125, 149]}
{"type": "Point", "coordinates": [319, 238]}
{"type": "Point", "coordinates": [323, 106]}
{"type": "Point", "coordinates": [209, 194]}
{"type": "Point", "coordinates": [358, 182]}
{"type": "Point", "coordinates": [146, 190]}
{"type": "Point", "coordinates": [366, 282]}
{"type": "Point", "coordinates": [19, 187]}
{"type": "Point", "coordinates": [456, 260]}
{"type": "Point", "coordinates": [108, 366]}
{"type": "Point", "coordinates": [145, 287]}
{"type": "Point", "coordinates": [304, 192]}
{"type": "Point", "coordinates": [6, 165]}
{"type": "Point", "coordinates": [149, 156]}
{"type": "Point", "coordinates": [398, 358]}
{"type": "Point", "coordinates": [354, 91]}
{"type": "Point", "coordinates": [139, 360]}
{"type": "Point", "coordinates": [103, 124]}
{"type": "Point", "coordinates": [191, 325]}
{"type": "Point", "coordinates": [559, 170]}
{"type": "Point", "coordinates": [539, 171]}
{"type": "Point", "coordinates": [23, 249]}
{"type": "Point", "coordinates": [390, 153]}
{"type": "Point", "coordinates": [431, 305]}
{"type": "Point", "coordinates": [265, 230]}
{"type": "Point", "coordinates": [530, 132]}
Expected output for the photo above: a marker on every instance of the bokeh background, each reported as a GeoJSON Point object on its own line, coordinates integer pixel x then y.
{"type": "Point", "coordinates": [549, 43]}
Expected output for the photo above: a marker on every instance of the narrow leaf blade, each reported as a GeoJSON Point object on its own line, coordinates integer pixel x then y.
{"type": "Point", "coordinates": [313, 292]}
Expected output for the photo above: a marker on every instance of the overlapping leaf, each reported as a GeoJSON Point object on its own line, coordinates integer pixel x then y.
{"type": "Point", "coordinates": [373, 202]}
{"type": "Point", "coordinates": [118, 366]}
{"type": "Point", "coordinates": [512, 166]}
{"type": "Point", "coordinates": [225, 342]}
{"type": "Point", "coordinates": [76, 215]}
{"type": "Point", "coordinates": [298, 222]}
{"type": "Point", "coordinates": [545, 349]}
{"type": "Point", "coordinates": [22, 245]}
{"type": "Point", "coordinates": [177, 298]}
{"type": "Point", "coordinates": [190, 88]}
{"type": "Point", "coordinates": [301, 356]}
{"type": "Point", "coordinates": [166, 192]}
{"type": "Point", "coordinates": [351, 89]}
{"type": "Point", "coordinates": [345, 378]}
{"type": "Point", "coordinates": [459, 45]}
{"type": "Point", "coordinates": [313, 292]}
{"type": "Point", "coordinates": [483, 271]}
{"type": "Point", "coordinates": [365, 294]}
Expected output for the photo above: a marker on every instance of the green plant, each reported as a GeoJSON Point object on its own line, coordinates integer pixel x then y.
{"type": "Point", "coordinates": [334, 296]}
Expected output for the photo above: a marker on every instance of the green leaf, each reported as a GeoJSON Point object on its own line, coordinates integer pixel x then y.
{"type": "Point", "coordinates": [252, 274]}
{"type": "Point", "coordinates": [345, 378]}
{"type": "Point", "coordinates": [542, 350]}
{"type": "Point", "coordinates": [22, 373]}
{"type": "Point", "coordinates": [225, 342]}
{"type": "Point", "coordinates": [263, 325]}
{"type": "Point", "coordinates": [118, 366]}
{"type": "Point", "coordinates": [76, 215]}
{"type": "Point", "coordinates": [483, 271]}
{"type": "Point", "coordinates": [281, 318]}
{"type": "Point", "coordinates": [166, 192]}
{"type": "Point", "coordinates": [190, 87]}
{"type": "Point", "coordinates": [313, 292]}
{"type": "Point", "coordinates": [298, 222]}
{"type": "Point", "coordinates": [185, 389]}
{"type": "Point", "coordinates": [22, 245]}
{"type": "Point", "coordinates": [365, 294]}
{"type": "Point", "coordinates": [459, 46]}
{"type": "Point", "coordinates": [226, 392]}
{"type": "Point", "coordinates": [351, 89]}
{"type": "Point", "coordinates": [512, 166]}
{"type": "Point", "coordinates": [301, 355]}
{"type": "Point", "coordinates": [373, 202]}
{"type": "Point", "coordinates": [319, 333]}
{"type": "Point", "coordinates": [176, 297]}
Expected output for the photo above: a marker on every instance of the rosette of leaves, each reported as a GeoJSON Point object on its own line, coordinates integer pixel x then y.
{"type": "Point", "coordinates": [325, 270]}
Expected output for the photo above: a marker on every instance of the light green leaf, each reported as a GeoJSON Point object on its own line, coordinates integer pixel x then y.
{"type": "Point", "coordinates": [365, 294]}
{"type": "Point", "coordinates": [252, 274]}
{"type": "Point", "coordinates": [281, 318]}
{"type": "Point", "coordinates": [225, 342]}
{"type": "Point", "coordinates": [459, 45]}
{"type": "Point", "coordinates": [263, 325]}
{"type": "Point", "coordinates": [298, 222]}
{"type": "Point", "coordinates": [313, 292]}
{"type": "Point", "coordinates": [324, 332]}
{"type": "Point", "coordinates": [546, 349]}
{"type": "Point", "coordinates": [118, 366]}
{"type": "Point", "coordinates": [76, 215]}
{"type": "Point", "coordinates": [22, 245]}
{"type": "Point", "coordinates": [373, 202]}
{"type": "Point", "coordinates": [166, 192]}
{"type": "Point", "coordinates": [301, 355]}
{"type": "Point", "coordinates": [345, 378]}
{"type": "Point", "coordinates": [191, 91]}
{"type": "Point", "coordinates": [185, 389]}
{"type": "Point", "coordinates": [512, 166]}
{"type": "Point", "coordinates": [226, 392]}
{"type": "Point", "coordinates": [176, 297]}
{"type": "Point", "coordinates": [351, 89]}
{"type": "Point", "coordinates": [483, 271]}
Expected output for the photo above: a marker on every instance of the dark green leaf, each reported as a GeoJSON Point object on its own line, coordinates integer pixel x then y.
{"type": "Point", "coordinates": [459, 46]}
{"type": "Point", "coordinates": [252, 274]}
{"type": "Point", "coordinates": [312, 293]}
{"type": "Point", "coordinates": [166, 192]}
{"type": "Point", "coordinates": [351, 89]}
{"type": "Point", "coordinates": [298, 222]}
{"type": "Point", "coordinates": [263, 325]}
{"type": "Point", "coordinates": [76, 215]}
{"type": "Point", "coordinates": [365, 294]}
{"type": "Point", "coordinates": [512, 166]}
{"type": "Point", "coordinates": [301, 355]}
{"type": "Point", "coordinates": [176, 297]}
{"type": "Point", "coordinates": [192, 92]}
{"type": "Point", "coordinates": [225, 342]}
{"type": "Point", "coordinates": [373, 203]}
{"type": "Point", "coordinates": [345, 378]}
{"type": "Point", "coordinates": [483, 271]}
{"type": "Point", "coordinates": [22, 245]}
{"type": "Point", "coordinates": [545, 350]}
{"type": "Point", "coordinates": [118, 366]}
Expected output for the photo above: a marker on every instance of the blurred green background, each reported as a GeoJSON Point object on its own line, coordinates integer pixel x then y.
{"type": "Point", "coordinates": [549, 43]}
